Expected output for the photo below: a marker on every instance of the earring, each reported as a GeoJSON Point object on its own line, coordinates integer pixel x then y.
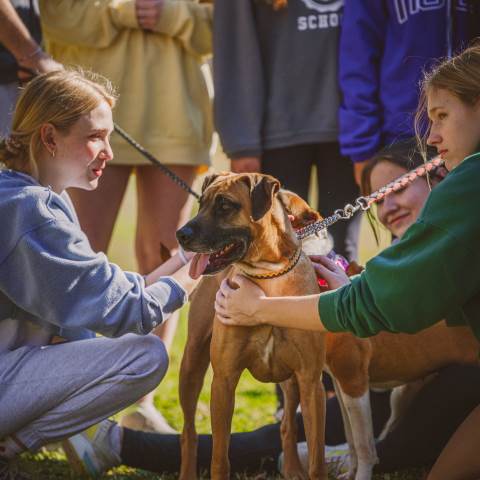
{"type": "Point", "coordinates": [53, 153]}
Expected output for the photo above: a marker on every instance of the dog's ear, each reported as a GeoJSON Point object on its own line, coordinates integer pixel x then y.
{"type": "Point", "coordinates": [261, 194]}
{"type": "Point", "coordinates": [208, 180]}
{"type": "Point", "coordinates": [296, 206]}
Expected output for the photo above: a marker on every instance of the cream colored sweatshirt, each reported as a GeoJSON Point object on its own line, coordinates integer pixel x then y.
{"type": "Point", "coordinates": [163, 103]}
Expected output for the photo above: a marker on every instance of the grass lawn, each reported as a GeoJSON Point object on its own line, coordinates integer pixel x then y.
{"type": "Point", "coordinates": [255, 402]}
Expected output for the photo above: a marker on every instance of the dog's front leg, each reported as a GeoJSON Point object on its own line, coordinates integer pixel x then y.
{"type": "Point", "coordinates": [312, 400]}
{"type": "Point", "coordinates": [195, 361]}
{"type": "Point", "coordinates": [352, 464]}
{"type": "Point", "coordinates": [292, 468]}
{"type": "Point", "coordinates": [360, 416]}
{"type": "Point", "coordinates": [222, 403]}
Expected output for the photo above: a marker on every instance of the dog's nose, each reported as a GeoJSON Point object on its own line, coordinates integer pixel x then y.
{"type": "Point", "coordinates": [184, 235]}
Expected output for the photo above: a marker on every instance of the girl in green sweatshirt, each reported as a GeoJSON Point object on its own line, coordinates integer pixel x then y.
{"type": "Point", "coordinates": [430, 274]}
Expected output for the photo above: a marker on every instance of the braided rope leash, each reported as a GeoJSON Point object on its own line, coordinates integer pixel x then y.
{"type": "Point", "coordinates": [365, 202]}
{"type": "Point", "coordinates": [173, 176]}
{"type": "Point", "coordinates": [361, 203]}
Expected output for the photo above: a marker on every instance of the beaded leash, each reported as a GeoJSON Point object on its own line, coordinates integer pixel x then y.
{"type": "Point", "coordinates": [365, 202]}
{"type": "Point", "coordinates": [345, 213]}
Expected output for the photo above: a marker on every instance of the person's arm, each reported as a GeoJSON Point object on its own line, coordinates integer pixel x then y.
{"type": "Point", "coordinates": [189, 23]}
{"type": "Point", "coordinates": [238, 78]}
{"type": "Point", "coordinates": [87, 23]}
{"type": "Point", "coordinates": [177, 269]}
{"type": "Point", "coordinates": [243, 303]}
{"type": "Point", "coordinates": [15, 36]}
{"type": "Point", "coordinates": [404, 289]}
{"type": "Point", "coordinates": [429, 275]}
{"type": "Point", "coordinates": [361, 47]}
{"type": "Point", "coordinates": [58, 278]}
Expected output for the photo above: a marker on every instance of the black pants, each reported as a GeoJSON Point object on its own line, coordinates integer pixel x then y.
{"type": "Point", "coordinates": [335, 180]}
{"type": "Point", "coordinates": [416, 441]}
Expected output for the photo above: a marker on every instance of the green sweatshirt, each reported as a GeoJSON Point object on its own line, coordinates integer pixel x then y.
{"type": "Point", "coordinates": [432, 273]}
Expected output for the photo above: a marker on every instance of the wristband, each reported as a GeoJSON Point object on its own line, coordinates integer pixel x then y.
{"type": "Point", "coordinates": [181, 254]}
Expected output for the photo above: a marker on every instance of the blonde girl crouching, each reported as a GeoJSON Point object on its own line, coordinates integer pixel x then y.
{"type": "Point", "coordinates": [52, 284]}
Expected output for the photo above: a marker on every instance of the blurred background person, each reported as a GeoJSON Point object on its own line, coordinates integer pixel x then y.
{"type": "Point", "coordinates": [21, 55]}
{"type": "Point", "coordinates": [384, 48]}
{"type": "Point", "coordinates": [277, 99]}
{"type": "Point", "coordinates": [276, 69]}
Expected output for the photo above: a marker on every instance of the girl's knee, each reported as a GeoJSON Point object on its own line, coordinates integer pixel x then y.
{"type": "Point", "coordinates": [154, 357]}
{"type": "Point", "coordinates": [144, 360]}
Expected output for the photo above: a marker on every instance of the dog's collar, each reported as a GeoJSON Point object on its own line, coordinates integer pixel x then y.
{"type": "Point", "coordinates": [292, 261]}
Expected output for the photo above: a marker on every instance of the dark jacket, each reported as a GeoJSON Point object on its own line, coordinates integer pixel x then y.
{"type": "Point", "coordinates": [275, 74]}
{"type": "Point", "coordinates": [385, 46]}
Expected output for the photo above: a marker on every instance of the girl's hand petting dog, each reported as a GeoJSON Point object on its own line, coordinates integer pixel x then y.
{"type": "Point", "coordinates": [330, 271]}
{"type": "Point", "coordinates": [237, 301]}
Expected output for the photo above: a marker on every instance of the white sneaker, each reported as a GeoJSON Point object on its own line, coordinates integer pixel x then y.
{"type": "Point", "coordinates": [148, 419]}
{"type": "Point", "coordinates": [91, 452]}
{"type": "Point", "coordinates": [336, 457]}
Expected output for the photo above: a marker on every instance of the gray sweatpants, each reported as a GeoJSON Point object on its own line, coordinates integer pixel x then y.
{"type": "Point", "coordinates": [50, 393]}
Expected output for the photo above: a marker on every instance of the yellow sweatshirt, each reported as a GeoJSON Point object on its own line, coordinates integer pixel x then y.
{"type": "Point", "coordinates": [164, 102]}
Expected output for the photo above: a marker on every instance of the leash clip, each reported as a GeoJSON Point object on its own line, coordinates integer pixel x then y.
{"type": "Point", "coordinates": [347, 211]}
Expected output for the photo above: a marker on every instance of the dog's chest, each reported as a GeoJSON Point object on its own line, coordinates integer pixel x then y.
{"type": "Point", "coordinates": [268, 351]}
{"type": "Point", "coordinates": [272, 359]}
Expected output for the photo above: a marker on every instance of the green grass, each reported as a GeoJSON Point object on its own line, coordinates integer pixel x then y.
{"type": "Point", "coordinates": [255, 402]}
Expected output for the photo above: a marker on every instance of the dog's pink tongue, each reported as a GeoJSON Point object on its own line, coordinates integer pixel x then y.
{"type": "Point", "coordinates": [198, 265]}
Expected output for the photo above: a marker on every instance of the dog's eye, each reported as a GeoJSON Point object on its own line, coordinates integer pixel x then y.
{"type": "Point", "coordinates": [223, 205]}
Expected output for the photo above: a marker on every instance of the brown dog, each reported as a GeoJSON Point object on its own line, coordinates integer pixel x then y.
{"type": "Point", "coordinates": [243, 220]}
{"type": "Point", "coordinates": [386, 360]}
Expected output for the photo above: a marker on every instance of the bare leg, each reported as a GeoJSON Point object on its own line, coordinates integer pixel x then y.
{"type": "Point", "coordinates": [162, 208]}
{"type": "Point", "coordinates": [459, 459]}
{"type": "Point", "coordinates": [97, 210]}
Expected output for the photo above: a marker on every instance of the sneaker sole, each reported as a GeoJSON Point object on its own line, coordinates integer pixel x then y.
{"type": "Point", "coordinates": [77, 464]}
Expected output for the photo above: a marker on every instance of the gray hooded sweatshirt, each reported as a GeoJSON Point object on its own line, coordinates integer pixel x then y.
{"type": "Point", "coordinates": [53, 283]}
{"type": "Point", "coordinates": [275, 74]}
